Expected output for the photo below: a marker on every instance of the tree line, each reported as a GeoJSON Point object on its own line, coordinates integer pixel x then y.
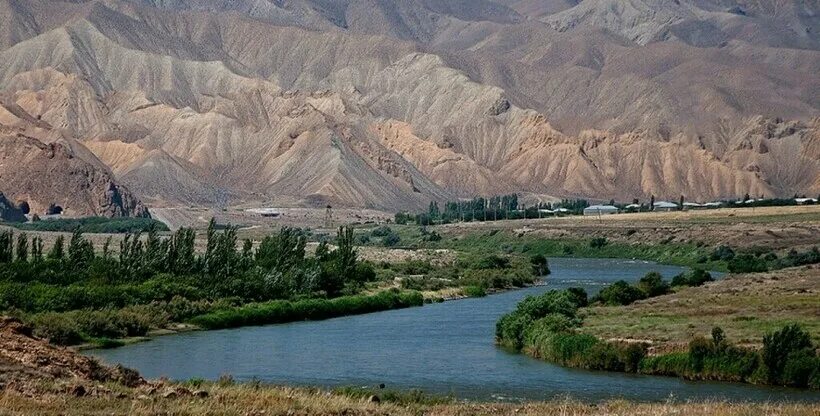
{"type": "Point", "coordinates": [496, 208]}
{"type": "Point", "coordinates": [72, 274]}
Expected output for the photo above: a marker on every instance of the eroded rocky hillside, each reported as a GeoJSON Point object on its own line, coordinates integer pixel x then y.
{"type": "Point", "coordinates": [389, 104]}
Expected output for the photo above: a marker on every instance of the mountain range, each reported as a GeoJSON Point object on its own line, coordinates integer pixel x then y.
{"type": "Point", "coordinates": [391, 104]}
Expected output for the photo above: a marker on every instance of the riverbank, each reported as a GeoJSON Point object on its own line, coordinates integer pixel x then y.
{"type": "Point", "coordinates": [768, 342]}
{"type": "Point", "coordinates": [39, 378]}
{"type": "Point", "coordinates": [274, 312]}
{"type": "Point", "coordinates": [252, 399]}
{"type": "Point", "coordinates": [745, 306]}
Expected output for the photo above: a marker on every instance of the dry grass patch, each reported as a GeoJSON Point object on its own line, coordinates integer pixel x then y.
{"type": "Point", "coordinates": [250, 400]}
{"type": "Point", "coordinates": [746, 307]}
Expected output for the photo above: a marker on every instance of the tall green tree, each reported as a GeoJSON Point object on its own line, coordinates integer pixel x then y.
{"type": "Point", "coordinates": [57, 251]}
{"type": "Point", "coordinates": [80, 251]}
{"type": "Point", "coordinates": [22, 247]}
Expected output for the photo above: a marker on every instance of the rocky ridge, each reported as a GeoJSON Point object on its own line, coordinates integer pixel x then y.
{"type": "Point", "coordinates": [397, 104]}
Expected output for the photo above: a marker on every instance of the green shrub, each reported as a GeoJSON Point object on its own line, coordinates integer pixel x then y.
{"type": "Point", "coordinates": [382, 231]}
{"type": "Point", "coordinates": [799, 367]}
{"type": "Point", "coordinates": [391, 240]}
{"type": "Point", "coordinates": [578, 296]}
{"type": "Point", "coordinates": [631, 356]}
{"type": "Point", "coordinates": [747, 263]}
{"type": "Point", "coordinates": [694, 278]}
{"type": "Point", "coordinates": [493, 262]}
{"type": "Point", "coordinates": [699, 349]}
{"type": "Point", "coordinates": [699, 277]}
{"type": "Point", "coordinates": [779, 346]}
{"type": "Point", "coordinates": [598, 242]}
{"type": "Point", "coordinates": [475, 292]}
{"type": "Point", "coordinates": [510, 329]}
{"type": "Point", "coordinates": [723, 253]}
{"type": "Point", "coordinates": [602, 356]}
{"type": "Point", "coordinates": [675, 364]}
{"type": "Point", "coordinates": [57, 328]}
{"type": "Point", "coordinates": [570, 349]}
{"type": "Point", "coordinates": [540, 265]}
{"type": "Point", "coordinates": [619, 293]}
{"type": "Point", "coordinates": [653, 285]}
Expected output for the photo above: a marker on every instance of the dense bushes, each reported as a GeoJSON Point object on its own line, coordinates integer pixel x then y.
{"type": "Point", "coordinates": [598, 242]}
{"type": "Point", "coordinates": [389, 238]}
{"type": "Point", "coordinates": [793, 258]}
{"type": "Point", "coordinates": [761, 259]}
{"type": "Point", "coordinates": [540, 265]}
{"type": "Point", "coordinates": [653, 285]}
{"type": "Point", "coordinates": [545, 325]}
{"type": "Point", "coordinates": [622, 293]}
{"type": "Point", "coordinates": [696, 277]}
{"type": "Point", "coordinates": [747, 263]}
{"type": "Point", "coordinates": [485, 273]}
{"type": "Point", "coordinates": [559, 306]}
{"type": "Point", "coordinates": [723, 253]}
{"type": "Point", "coordinates": [619, 293]}
{"type": "Point", "coordinates": [308, 309]}
{"type": "Point", "coordinates": [790, 358]}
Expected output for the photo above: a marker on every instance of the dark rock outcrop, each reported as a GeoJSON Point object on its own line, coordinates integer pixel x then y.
{"type": "Point", "coordinates": [51, 175]}
{"type": "Point", "coordinates": [9, 212]}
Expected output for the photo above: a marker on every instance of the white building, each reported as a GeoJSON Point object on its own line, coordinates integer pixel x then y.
{"type": "Point", "coordinates": [265, 212]}
{"type": "Point", "coordinates": [600, 210]}
{"type": "Point", "coordinates": [693, 205]}
{"type": "Point", "coordinates": [804, 201]}
{"type": "Point", "coordinates": [666, 206]}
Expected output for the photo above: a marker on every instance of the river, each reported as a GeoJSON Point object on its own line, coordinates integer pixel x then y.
{"type": "Point", "coordinates": [442, 348]}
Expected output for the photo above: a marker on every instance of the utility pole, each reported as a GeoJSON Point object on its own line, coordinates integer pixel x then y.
{"type": "Point", "coordinates": [329, 217]}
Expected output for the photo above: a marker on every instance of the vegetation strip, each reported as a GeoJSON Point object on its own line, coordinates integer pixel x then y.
{"type": "Point", "coordinates": [72, 293]}
{"type": "Point", "coordinates": [282, 311]}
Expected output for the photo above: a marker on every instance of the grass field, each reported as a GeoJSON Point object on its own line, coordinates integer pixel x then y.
{"type": "Point", "coordinates": [745, 306]}
{"type": "Point", "coordinates": [252, 399]}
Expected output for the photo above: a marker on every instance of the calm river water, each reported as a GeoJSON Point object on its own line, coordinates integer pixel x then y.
{"type": "Point", "coordinates": [442, 348]}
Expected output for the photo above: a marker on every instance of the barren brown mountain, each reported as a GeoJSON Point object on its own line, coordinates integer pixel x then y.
{"type": "Point", "coordinates": [391, 104]}
{"type": "Point", "coordinates": [50, 177]}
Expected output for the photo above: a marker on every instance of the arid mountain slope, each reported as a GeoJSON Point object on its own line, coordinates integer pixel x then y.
{"type": "Point", "coordinates": [383, 104]}
{"type": "Point", "coordinates": [44, 174]}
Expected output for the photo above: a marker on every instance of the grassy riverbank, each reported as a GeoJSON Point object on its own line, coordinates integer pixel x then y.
{"type": "Point", "coordinates": [745, 306]}
{"type": "Point", "coordinates": [554, 327]}
{"type": "Point", "coordinates": [253, 399]}
{"type": "Point", "coordinates": [676, 253]}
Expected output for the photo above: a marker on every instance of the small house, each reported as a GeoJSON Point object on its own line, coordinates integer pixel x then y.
{"type": "Point", "coordinates": [265, 212]}
{"type": "Point", "coordinates": [693, 205]}
{"type": "Point", "coordinates": [664, 206]}
{"type": "Point", "coordinates": [600, 210]}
